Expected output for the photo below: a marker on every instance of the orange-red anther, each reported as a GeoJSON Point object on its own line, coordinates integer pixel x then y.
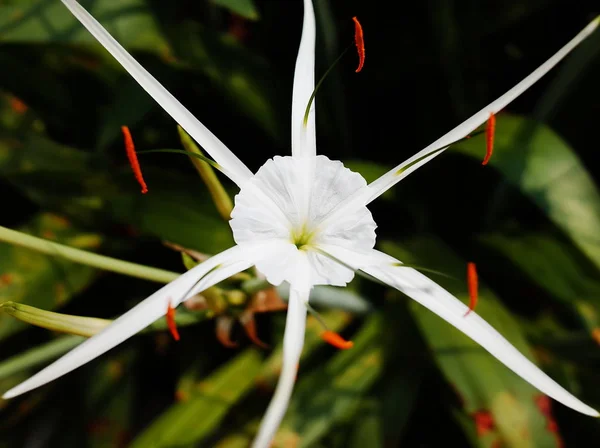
{"type": "Point", "coordinates": [18, 106]}
{"type": "Point", "coordinates": [596, 335]}
{"type": "Point", "coordinates": [133, 161]}
{"type": "Point", "coordinates": [336, 340]}
{"type": "Point", "coordinates": [171, 322]}
{"type": "Point", "coordinates": [484, 422]}
{"type": "Point", "coordinates": [490, 130]}
{"type": "Point", "coordinates": [472, 284]}
{"type": "Point", "coordinates": [360, 43]}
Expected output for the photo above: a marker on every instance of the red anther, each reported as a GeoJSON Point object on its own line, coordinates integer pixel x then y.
{"type": "Point", "coordinates": [360, 43]}
{"type": "Point", "coordinates": [544, 404]}
{"type": "Point", "coordinates": [596, 335]}
{"type": "Point", "coordinates": [472, 285]}
{"type": "Point", "coordinates": [6, 279]}
{"type": "Point", "coordinates": [171, 322]}
{"type": "Point", "coordinates": [336, 340]}
{"type": "Point", "coordinates": [18, 106]}
{"type": "Point", "coordinates": [133, 161]}
{"type": "Point", "coordinates": [490, 130]}
{"type": "Point", "coordinates": [484, 422]}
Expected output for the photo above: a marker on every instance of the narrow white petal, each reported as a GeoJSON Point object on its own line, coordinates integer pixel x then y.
{"type": "Point", "coordinates": [142, 315]}
{"type": "Point", "coordinates": [232, 166]}
{"type": "Point", "coordinates": [304, 143]}
{"type": "Point", "coordinates": [388, 180]}
{"type": "Point", "coordinates": [441, 302]}
{"type": "Point", "coordinates": [293, 342]}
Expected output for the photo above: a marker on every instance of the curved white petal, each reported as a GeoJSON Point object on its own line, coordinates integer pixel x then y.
{"type": "Point", "coordinates": [388, 180]}
{"type": "Point", "coordinates": [304, 143]}
{"type": "Point", "coordinates": [139, 317]}
{"type": "Point", "coordinates": [441, 302]}
{"type": "Point", "coordinates": [293, 342]}
{"type": "Point", "coordinates": [232, 166]}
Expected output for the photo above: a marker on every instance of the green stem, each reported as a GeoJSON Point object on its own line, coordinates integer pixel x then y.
{"type": "Point", "coordinates": [87, 258]}
{"type": "Point", "coordinates": [220, 197]}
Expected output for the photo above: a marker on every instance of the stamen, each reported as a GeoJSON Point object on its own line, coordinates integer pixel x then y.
{"type": "Point", "coordinates": [596, 335]}
{"type": "Point", "coordinates": [329, 336]}
{"type": "Point", "coordinates": [490, 130]}
{"type": "Point", "coordinates": [360, 43]}
{"type": "Point", "coordinates": [360, 46]}
{"type": "Point", "coordinates": [336, 340]}
{"type": "Point", "coordinates": [312, 96]}
{"type": "Point", "coordinates": [133, 161]}
{"type": "Point", "coordinates": [472, 284]}
{"type": "Point", "coordinates": [18, 106]}
{"type": "Point", "coordinates": [484, 422]}
{"type": "Point", "coordinates": [171, 322]}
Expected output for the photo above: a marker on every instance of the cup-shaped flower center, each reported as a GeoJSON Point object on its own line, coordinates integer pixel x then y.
{"type": "Point", "coordinates": [303, 237]}
{"type": "Point", "coordinates": [286, 202]}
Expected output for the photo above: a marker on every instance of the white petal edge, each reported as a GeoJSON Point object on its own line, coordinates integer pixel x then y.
{"type": "Point", "coordinates": [293, 342]}
{"type": "Point", "coordinates": [232, 166]}
{"type": "Point", "coordinates": [139, 317]}
{"type": "Point", "coordinates": [433, 297]}
{"type": "Point", "coordinates": [304, 142]}
{"type": "Point", "coordinates": [392, 177]}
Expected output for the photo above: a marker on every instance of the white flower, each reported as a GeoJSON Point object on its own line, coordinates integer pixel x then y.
{"type": "Point", "coordinates": [303, 219]}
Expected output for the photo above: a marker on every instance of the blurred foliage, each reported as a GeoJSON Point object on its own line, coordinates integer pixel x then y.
{"type": "Point", "coordinates": [530, 220]}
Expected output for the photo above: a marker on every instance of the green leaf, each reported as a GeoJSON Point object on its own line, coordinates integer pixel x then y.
{"type": "Point", "coordinates": [558, 268]}
{"type": "Point", "coordinates": [368, 430]}
{"type": "Point", "coordinates": [192, 419]}
{"type": "Point", "coordinates": [41, 280]}
{"type": "Point", "coordinates": [109, 399]}
{"type": "Point", "coordinates": [544, 167]}
{"type": "Point", "coordinates": [245, 8]}
{"type": "Point", "coordinates": [38, 355]}
{"type": "Point", "coordinates": [48, 21]}
{"type": "Point", "coordinates": [481, 382]}
{"type": "Point", "coordinates": [554, 265]}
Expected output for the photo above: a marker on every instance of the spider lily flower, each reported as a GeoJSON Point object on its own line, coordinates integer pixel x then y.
{"type": "Point", "coordinates": [303, 219]}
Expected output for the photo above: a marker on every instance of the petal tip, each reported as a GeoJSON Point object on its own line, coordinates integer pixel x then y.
{"type": "Point", "coordinates": [12, 393]}
{"type": "Point", "coordinates": [593, 25]}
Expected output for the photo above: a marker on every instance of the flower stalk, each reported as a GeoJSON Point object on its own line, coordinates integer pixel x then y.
{"type": "Point", "coordinates": [84, 257]}
{"type": "Point", "coordinates": [220, 197]}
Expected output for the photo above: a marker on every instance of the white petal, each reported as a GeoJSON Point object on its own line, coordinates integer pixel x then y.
{"type": "Point", "coordinates": [304, 143]}
{"type": "Point", "coordinates": [293, 341]}
{"type": "Point", "coordinates": [142, 315]}
{"type": "Point", "coordinates": [232, 166]}
{"type": "Point", "coordinates": [388, 180]}
{"type": "Point", "coordinates": [441, 302]}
